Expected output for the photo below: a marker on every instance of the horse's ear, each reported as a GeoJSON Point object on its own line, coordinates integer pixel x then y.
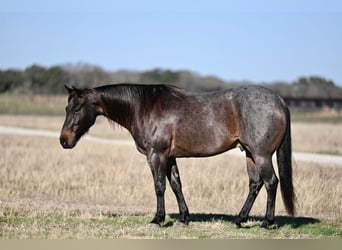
{"type": "Point", "coordinates": [73, 90]}
{"type": "Point", "coordinates": [70, 90]}
{"type": "Point", "coordinates": [77, 91]}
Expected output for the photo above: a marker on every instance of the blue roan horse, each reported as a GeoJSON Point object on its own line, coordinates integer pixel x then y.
{"type": "Point", "coordinates": [167, 122]}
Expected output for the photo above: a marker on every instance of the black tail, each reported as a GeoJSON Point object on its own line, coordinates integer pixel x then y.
{"type": "Point", "coordinates": [284, 159]}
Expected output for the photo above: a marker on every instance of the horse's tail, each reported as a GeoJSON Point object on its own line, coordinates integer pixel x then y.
{"type": "Point", "coordinates": [284, 159]}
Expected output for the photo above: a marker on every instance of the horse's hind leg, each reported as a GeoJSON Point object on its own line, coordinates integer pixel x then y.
{"type": "Point", "coordinates": [255, 184]}
{"type": "Point", "coordinates": [271, 183]}
{"type": "Point", "coordinates": [176, 185]}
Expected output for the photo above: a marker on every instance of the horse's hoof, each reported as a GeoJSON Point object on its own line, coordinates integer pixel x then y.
{"type": "Point", "coordinates": [237, 225]}
{"type": "Point", "coordinates": [157, 221]}
{"type": "Point", "coordinates": [181, 223]}
{"type": "Point", "coordinates": [266, 223]}
{"type": "Point", "coordinates": [238, 222]}
{"type": "Point", "coordinates": [154, 225]}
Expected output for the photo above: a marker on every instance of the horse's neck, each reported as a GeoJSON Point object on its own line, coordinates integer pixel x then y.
{"type": "Point", "coordinates": [118, 109]}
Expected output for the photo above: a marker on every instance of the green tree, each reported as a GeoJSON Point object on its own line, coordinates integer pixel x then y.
{"type": "Point", "coordinates": [315, 86]}
{"type": "Point", "coordinates": [158, 76]}
{"type": "Point", "coordinates": [10, 80]}
{"type": "Point", "coordinates": [36, 77]}
{"type": "Point", "coordinates": [56, 78]}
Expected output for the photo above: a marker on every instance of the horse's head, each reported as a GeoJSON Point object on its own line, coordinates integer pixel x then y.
{"type": "Point", "coordinates": [81, 112]}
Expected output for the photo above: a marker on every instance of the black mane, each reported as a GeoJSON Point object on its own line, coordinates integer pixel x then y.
{"type": "Point", "coordinates": [125, 99]}
{"type": "Point", "coordinates": [136, 90]}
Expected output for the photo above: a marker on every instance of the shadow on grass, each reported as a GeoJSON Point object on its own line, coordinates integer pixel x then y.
{"type": "Point", "coordinates": [294, 222]}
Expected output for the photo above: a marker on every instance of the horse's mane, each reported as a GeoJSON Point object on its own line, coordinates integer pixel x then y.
{"type": "Point", "coordinates": [123, 99]}
{"type": "Point", "coordinates": [137, 92]}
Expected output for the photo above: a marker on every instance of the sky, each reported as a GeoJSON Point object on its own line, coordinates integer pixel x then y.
{"type": "Point", "coordinates": [258, 41]}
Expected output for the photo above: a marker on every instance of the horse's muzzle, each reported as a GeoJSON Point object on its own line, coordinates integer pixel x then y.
{"type": "Point", "coordinates": [67, 140]}
{"type": "Point", "coordinates": [64, 143]}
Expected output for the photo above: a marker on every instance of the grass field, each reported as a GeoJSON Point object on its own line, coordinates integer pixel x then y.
{"type": "Point", "coordinates": [32, 104]}
{"type": "Point", "coordinates": [106, 191]}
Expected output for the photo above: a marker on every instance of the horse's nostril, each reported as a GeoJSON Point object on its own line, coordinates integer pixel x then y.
{"type": "Point", "coordinates": [63, 142]}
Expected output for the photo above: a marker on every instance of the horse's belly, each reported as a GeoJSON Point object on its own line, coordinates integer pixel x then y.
{"type": "Point", "coordinates": [202, 143]}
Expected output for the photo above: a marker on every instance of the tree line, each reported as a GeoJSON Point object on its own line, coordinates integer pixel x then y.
{"type": "Point", "coordinates": [37, 79]}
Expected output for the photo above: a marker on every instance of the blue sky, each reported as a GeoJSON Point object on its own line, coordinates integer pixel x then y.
{"type": "Point", "coordinates": [260, 41]}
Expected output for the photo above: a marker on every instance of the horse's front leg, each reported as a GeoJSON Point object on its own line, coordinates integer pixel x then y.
{"type": "Point", "coordinates": [158, 165]}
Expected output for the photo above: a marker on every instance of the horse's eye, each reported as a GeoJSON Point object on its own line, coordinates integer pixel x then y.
{"type": "Point", "coordinates": [77, 108]}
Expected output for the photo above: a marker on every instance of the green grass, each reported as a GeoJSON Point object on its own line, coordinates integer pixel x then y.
{"type": "Point", "coordinates": [32, 105]}
{"type": "Point", "coordinates": [105, 225]}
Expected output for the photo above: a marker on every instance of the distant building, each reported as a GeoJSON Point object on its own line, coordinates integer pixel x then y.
{"type": "Point", "coordinates": [308, 104]}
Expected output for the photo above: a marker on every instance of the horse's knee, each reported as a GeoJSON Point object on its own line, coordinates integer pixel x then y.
{"type": "Point", "coordinates": [160, 188]}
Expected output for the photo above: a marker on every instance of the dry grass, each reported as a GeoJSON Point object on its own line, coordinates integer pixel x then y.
{"type": "Point", "coordinates": [317, 137]}
{"type": "Point", "coordinates": [37, 172]}
{"type": "Point", "coordinates": [41, 180]}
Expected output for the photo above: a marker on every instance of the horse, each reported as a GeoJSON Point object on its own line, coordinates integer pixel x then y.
{"type": "Point", "coordinates": [167, 122]}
